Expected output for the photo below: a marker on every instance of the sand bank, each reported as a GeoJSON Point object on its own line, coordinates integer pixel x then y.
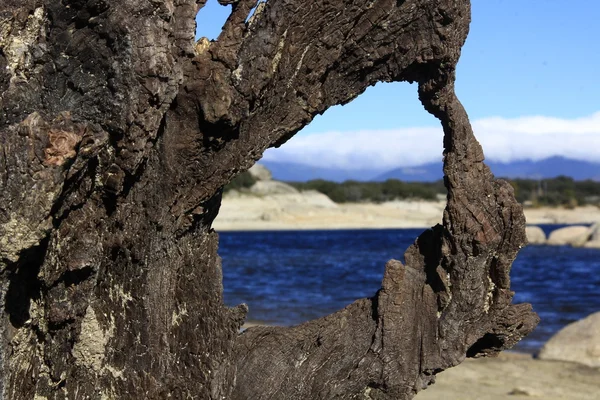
{"type": "Point", "coordinates": [515, 376]}
{"type": "Point", "coordinates": [312, 210]}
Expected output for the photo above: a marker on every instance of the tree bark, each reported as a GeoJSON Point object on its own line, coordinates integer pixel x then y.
{"type": "Point", "coordinates": [117, 133]}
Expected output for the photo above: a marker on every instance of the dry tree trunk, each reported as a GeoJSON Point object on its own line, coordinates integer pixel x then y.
{"type": "Point", "coordinates": [117, 132]}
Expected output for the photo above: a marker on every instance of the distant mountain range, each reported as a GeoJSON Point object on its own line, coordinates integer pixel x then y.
{"type": "Point", "coordinates": [546, 168]}
{"type": "Point", "coordinates": [293, 172]}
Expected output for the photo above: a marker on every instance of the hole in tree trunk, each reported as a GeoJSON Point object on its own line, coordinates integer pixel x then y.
{"type": "Point", "coordinates": [24, 285]}
{"type": "Point", "coordinates": [291, 276]}
{"type": "Point", "coordinates": [210, 19]}
{"type": "Point", "coordinates": [488, 344]}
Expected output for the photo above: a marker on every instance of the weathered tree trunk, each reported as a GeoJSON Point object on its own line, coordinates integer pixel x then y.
{"type": "Point", "coordinates": [117, 132]}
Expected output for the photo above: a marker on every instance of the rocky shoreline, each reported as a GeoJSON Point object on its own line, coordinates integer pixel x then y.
{"type": "Point", "coordinates": [273, 205]}
{"type": "Point", "coordinates": [574, 235]}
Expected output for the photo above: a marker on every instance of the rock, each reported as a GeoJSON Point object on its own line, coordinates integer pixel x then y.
{"type": "Point", "coordinates": [594, 241]}
{"type": "Point", "coordinates": [522, 391]}
{"type": "Point", "coordinates": [592, 244]}
{"type": "Point", "coordinates": [317, 199]}
{"type": "Point", "coordinates": [535, 235]}
{"type": "Point", "coordinates": [260, 172]}
{"type": "Point", "coordinates": [572, 235]}
{"type": "Point", "coordinates": [595, 232]}
{"type": "Point", "coordinates": [266, 217]}
{"type": "Point", "coordinates": [266, 188]}
{"type": "Point", "coordinates": [304, 203]}
{"type": "Point", "coordinates": [577, 342]}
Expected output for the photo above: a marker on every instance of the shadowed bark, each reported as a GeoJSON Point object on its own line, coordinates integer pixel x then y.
{"type": "Point", "coordinates": [117, 133]}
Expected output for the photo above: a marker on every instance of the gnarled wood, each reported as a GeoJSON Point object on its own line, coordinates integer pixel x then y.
{"type": "Point", "coordinates": [117, 132]}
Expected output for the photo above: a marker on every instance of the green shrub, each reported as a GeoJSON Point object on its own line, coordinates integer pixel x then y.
{"type": "Point", "coordinates": [358, 192]}
{"type": "Point", "coordinates": [559, 191]}
{"type": "Point", "coordinates": [243, 180]}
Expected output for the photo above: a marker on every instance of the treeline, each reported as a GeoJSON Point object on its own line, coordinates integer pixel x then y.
{"type": "Point", "coordinates": [560, 191]}
{"type": "Point", "coordinates": [377, 192]}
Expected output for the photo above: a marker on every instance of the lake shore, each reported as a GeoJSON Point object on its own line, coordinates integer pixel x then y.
{"type": "Point", "coordinates": [515, 376]}
{"type": "Point", "coordinates": [313, 210]}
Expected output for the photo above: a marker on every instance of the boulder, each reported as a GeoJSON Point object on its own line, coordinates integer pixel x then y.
{"type": "Point", "coordinates": [260, 172]}
{"type": "Point", "coordinates": [525, 392]}
{"type": "Point", "coordinates": [304, 202]}
{"type": "Point", "coordinates": [317, 199]}
{"type": "Point", "coordinates": [595, 232]}
{"type": "Point", "coordinates": [535, 235]}
{"type": "Point", "coordinates": [267, 188]}
{"type": "Point", "coordinates": [592, 244]}
{"type": "Point", "coordinates": [571, 235]}
{"type": "Point", "coordinates": [594, 241]}
{"type": "Point", "coordinates": [577, 342]}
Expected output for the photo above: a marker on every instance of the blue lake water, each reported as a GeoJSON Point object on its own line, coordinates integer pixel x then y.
{"type": "Point", "coordinates": [289, 277]}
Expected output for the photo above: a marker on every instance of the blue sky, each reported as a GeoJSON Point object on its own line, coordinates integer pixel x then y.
{"type": "Point", "coordinates": [527, 77]}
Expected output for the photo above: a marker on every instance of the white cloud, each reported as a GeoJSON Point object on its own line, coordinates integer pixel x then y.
{"type": "Point", "coordinates": [503, 139]}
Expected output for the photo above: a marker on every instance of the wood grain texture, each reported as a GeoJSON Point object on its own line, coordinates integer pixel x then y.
{"type": "Point", "coordinates": [117, 133]}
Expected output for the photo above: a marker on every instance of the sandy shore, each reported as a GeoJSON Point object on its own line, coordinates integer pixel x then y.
{"type": "Point", "coordinates": [312, 210]}
{"type": "Point", "coordinates": [253, 214]}
{"type": "Point", "coordinates": [515, 376]}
